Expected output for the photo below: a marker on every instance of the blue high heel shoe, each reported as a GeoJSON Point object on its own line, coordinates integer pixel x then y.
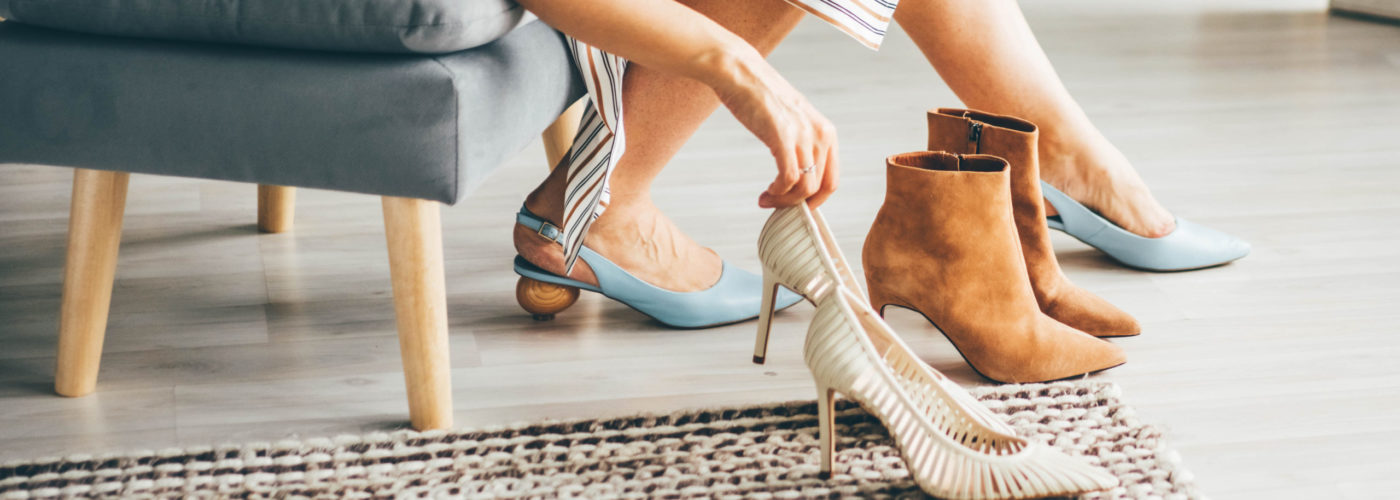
{"type": "Point", "coordinates": [735, 297]}
{"type": "Point", "coordinates": [1189, 246]}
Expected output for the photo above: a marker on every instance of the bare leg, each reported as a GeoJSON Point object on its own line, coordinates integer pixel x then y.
{"type": "Point", "coordinates": [661, 112]}
{"type": "Point", "coordinates": [987, 54]}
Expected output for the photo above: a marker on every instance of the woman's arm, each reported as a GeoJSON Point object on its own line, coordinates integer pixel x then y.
{"type": "Point", "coordinates": [670, 37]}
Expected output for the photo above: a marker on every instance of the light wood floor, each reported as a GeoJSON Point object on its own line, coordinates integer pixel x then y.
{"type": "Point", "coordinates": [1277, 376]}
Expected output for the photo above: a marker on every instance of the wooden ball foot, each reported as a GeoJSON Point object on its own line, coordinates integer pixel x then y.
{"type": "Point", "coordinates": [542, 300]}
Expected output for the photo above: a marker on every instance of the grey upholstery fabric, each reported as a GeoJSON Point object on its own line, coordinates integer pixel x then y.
{"type": "Point", "coordinates": [394, 26]}
{"type": "Point", "coordinates": [427, 127]}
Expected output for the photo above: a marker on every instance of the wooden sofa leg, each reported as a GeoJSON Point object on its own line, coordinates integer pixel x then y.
{"type": "Point", "coordinates": [413, 228]}
{"type": "Point", "coordinates": [559, 137]}
{"type": "Point", "coordinates": [94, 234]}
{"type": "Point", "coordinates": [276, 206]}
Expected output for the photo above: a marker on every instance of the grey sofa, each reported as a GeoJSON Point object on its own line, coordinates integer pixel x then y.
{"type": "Point", "coordinates": [416, 129]}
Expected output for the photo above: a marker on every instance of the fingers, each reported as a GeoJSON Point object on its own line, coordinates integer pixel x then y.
{"type": "Point", "coordinates": [814, 178]}
{"type": "Point", "coordinates": [831, 176]}
{"type": "Point", "coordinates": [831, 169]}
{"type": "Point", "coordinates": [820, 153]}
{"type": "Point", "coordinates": [803, 183]}
{"type": "Point", "coordinates": [788, 175]}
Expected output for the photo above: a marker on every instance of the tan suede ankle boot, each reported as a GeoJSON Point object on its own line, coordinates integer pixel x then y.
{"type": "Point", "coordinates": [973, 132]}
{"type": "Point", "coordinates": [944, 245]}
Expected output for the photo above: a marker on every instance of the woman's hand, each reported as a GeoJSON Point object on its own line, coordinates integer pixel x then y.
{"type": "Point", "coordinates": [672, 38]}
{"type": "Point", "coordinates": [801, 140]}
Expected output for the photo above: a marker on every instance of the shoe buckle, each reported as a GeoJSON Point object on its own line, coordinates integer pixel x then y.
{"type": "Point", "coordinates": [540, 230]}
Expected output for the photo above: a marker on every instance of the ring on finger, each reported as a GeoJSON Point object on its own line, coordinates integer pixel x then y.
{"type": "Point", "coordinates": [808, 169]}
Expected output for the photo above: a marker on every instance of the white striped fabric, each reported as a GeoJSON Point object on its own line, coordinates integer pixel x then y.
{"type": "Point", "coordinates": [597, 147]}
{"type": "Point", "coordinates": [864, 20]}
{"type": "Point", "coordinates": [600, 141]}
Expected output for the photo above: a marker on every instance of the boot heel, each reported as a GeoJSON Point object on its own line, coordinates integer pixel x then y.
{"type": "Point", "coordinates": [765, 316]}
{"type": "Point", "coordinates": [826, 428]}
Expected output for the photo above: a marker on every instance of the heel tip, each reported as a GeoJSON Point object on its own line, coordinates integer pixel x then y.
{"type": "Point", "coordinates": [758, 360]}
{"type": "Point", "coordinates": [824, 475]}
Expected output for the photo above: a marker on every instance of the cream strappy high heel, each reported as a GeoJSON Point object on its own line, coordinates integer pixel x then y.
{"type": "Point", "coordinates": [798, 250]}
{"type": "Point", "coordinates": [953, 446]}
{"type": "Point", "coordinates": [950, 451]}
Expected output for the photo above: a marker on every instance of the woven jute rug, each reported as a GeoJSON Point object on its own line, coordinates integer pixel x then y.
{"type": "Point", "coordinates": [767, 451]}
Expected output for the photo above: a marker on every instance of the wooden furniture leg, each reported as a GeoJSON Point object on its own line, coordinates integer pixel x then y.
{"type": "Point", "coordinates": [559, 137]}
{"type": "Point", "coordinates": [413, 228]}
{"type": "Point", "coordinates": [94, 234]}
{"type": "Point", "coordinates": [276, 206]}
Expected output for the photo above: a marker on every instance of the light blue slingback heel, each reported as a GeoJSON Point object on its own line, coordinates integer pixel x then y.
{"type": "Point", "coordinates": [1189, 246]}
{"type": "Point", "coordinates": [735, 297]}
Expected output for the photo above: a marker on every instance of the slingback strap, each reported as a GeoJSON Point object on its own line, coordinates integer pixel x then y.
{"type": "Point", "coordinates": [539, 225]}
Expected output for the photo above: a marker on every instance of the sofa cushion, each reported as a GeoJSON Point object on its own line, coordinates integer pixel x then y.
{"type": "Point", "coordinates": [419, 126]}
{"type": "Point", "coordinates": [393, 26]}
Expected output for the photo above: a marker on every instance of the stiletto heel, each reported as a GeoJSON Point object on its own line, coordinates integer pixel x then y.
{"type": "Point", "coordinates": [826, 429]}
{"type": "Point", "coordinates": [952, 445]}
{"type": "Point", "coordinates": [765, 317]}
{"type": "Point", "coordinates": [797, 247]}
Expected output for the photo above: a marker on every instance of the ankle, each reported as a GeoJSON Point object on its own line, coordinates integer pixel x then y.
{"type": "Point", "coordinates": [547, 199]}
{"type": "Point", "coordinates": [1066, 158]}
{"type": "Point", "coordinates": [625, 213]}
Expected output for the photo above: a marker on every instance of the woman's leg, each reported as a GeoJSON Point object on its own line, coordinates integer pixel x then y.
{"type": "Point", "coordinates": [661, 112]}
{"type": "Point", "coordinates": [987, 54]}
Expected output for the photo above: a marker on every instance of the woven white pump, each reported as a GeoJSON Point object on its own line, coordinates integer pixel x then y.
{"type": "Point", "coordinates": [952, 445]}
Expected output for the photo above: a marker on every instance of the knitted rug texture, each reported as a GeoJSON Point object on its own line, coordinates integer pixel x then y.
{"type": "Point", "coordinates": [764, 451]}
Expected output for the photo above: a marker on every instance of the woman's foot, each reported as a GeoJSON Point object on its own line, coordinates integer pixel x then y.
{"type": "Point", "coordinates": [636, 236]}
{"type": "Point", "coordinates": [1100, 177]}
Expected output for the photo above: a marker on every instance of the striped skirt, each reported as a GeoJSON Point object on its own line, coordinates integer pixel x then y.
{"type": "Point", "coordinates": [601, 140]}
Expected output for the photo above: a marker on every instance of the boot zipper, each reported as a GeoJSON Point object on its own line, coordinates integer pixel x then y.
{"type": "Point", "coordinates": [974, 135]}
